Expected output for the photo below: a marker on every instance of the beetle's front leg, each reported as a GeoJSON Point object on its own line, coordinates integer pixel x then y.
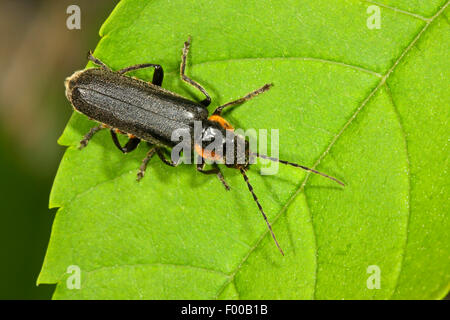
{"type": "Point", "coordinates": [215, 170]}
{"type": "Point", "coordinates": [247, 97]}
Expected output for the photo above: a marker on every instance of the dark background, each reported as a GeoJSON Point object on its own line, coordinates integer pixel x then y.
{"type": "Point", "coordinates": [37, 52]}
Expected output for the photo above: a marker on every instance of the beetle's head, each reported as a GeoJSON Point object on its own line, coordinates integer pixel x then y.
{"type": "Point", "coordinates": [239, 156]}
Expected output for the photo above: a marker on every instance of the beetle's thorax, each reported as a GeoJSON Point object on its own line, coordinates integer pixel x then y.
{"type": "Point", "coordinates": [216, 143]}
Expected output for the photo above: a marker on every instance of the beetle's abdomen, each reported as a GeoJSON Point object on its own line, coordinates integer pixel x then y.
{"type": "Point", "coordinates": [132, 106]}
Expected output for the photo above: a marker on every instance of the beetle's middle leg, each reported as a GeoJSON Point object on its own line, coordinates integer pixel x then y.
{"type": "Point", "coordinates": [161, 155]}
{"type": "Point", "coordinates": [247, 97]}
{"type": "Point", "coordinates": [188, 80]}
{"type": "Point", "coordinates": [132, 143]}
{"type": "Point", "coordinates": [147, 158]}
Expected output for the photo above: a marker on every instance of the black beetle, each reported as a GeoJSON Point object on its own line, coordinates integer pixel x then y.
{"type": "Point", "coordinates": [145, 111]}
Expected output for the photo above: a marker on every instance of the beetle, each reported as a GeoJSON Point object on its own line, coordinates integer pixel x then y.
{"type": "Point", "coordinates": [147, 112]}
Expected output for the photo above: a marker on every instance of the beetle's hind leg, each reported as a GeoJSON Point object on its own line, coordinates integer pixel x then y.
{"type": "Point", "coordinates": [132, 143]}
{"type": "Point", "coordinates": [143, 166]}
{"type": "Point", "coordinates": [188, 80]}
{"type": "Point", "coordinates": [88, 136]}
{"type": "Point", "coordinates": [247, 97]}
{"type": "Point", "coordinates": [97, 61]}
{"type": "Point", "coordinates": [215, 170]}
{"type": "Point", "coordinates": [158, 74]}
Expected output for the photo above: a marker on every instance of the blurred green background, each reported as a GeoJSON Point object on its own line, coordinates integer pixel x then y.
{"type": "Point", "coordinates": [37, 52]}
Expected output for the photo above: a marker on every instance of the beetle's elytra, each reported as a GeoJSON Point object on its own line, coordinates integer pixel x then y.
{"type": "Point", "coordinates": [146, 112]}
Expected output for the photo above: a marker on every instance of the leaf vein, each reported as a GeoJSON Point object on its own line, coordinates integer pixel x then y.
{"type": "Point", "coordinates": [408, 218]}
{"type": "Point", "coordinates": [316, 248]}
{"type": "Point", "coordinates": [408, 13]}
{"type": "Point", "coordinates": [328, 61]}
{"type": "Point", "coordinates": [156, 264]}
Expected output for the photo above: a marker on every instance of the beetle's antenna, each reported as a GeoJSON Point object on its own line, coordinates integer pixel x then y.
{"type": "Point", "coordinates": [297, 166]}
{"type": "Point", "coordinates": [260, 209]}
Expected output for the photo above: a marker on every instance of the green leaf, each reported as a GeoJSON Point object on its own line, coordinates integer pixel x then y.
{"type": "Point", "coordinates": [369, 106]}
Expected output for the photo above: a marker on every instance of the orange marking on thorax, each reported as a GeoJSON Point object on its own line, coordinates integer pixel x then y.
{"type": "Point", "coordinates": [210, 155]}
{"type": "Point", "coordinates": [223, 123]}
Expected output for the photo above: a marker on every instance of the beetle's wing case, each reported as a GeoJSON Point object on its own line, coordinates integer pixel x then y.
{"type": "Point", "coordinates": [131, 105]}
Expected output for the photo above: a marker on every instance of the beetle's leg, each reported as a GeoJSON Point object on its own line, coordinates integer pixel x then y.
{"type": "Point", "coordinates": [158, 74]}
{"type": "Point", "coordinates": [97, 61]}
{"type": "Point", "coordinates": [160, 153]}
{"type": "Point", "coordinates": [249, 96]}
{"type": "Point", "coordinates": [129, 146]}
{"type": "Point", "coordinates": [188, 80]}
{"type": "Point", "coordinates": [143, 166]}
{"type": "Point", "coordinates": [89, 135]}
{"type": "Point", "coordinates": [215, 170]}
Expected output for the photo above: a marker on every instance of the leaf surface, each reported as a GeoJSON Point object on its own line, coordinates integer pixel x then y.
{"type": "Point", "coordinates": [367, 106]}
